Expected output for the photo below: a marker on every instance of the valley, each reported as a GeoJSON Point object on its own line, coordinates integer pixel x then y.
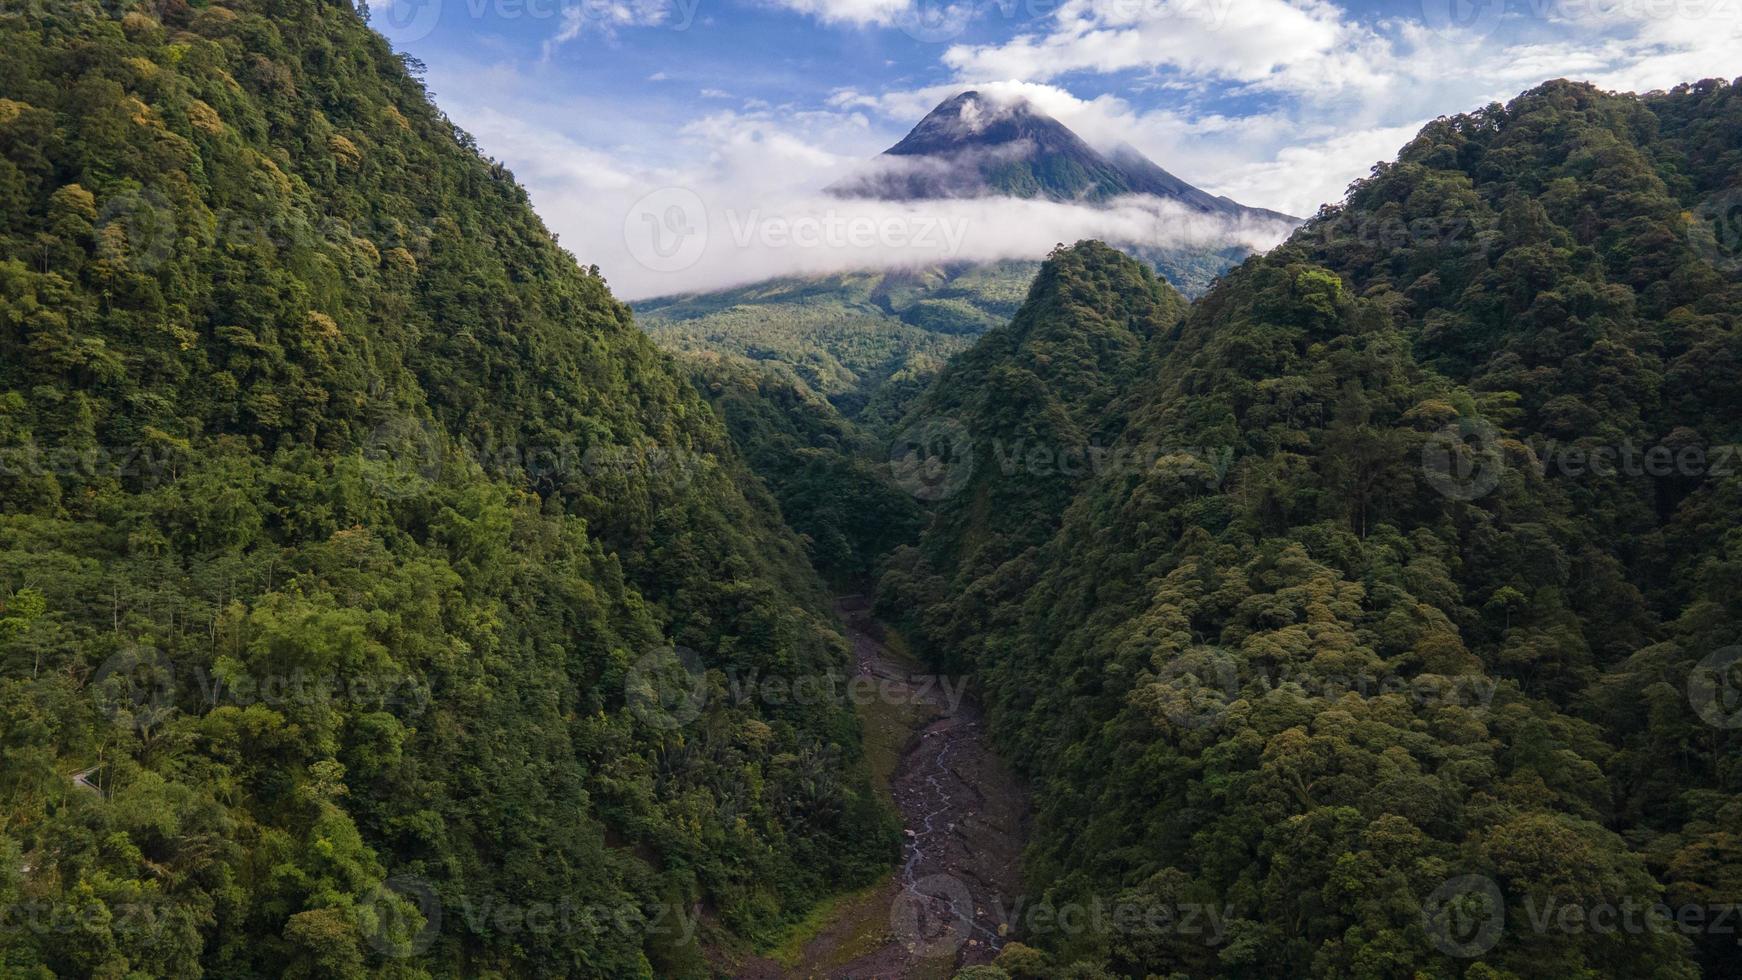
{"type": "Point", "coordinates": [383, 597]}
{"type": "Point", "coordinates": [946, 906]}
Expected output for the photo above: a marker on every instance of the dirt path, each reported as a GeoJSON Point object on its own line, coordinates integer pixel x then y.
{"type": "Point", "coordinates": [963, 815]}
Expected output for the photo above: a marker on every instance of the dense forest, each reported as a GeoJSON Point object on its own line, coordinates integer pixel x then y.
{"type": "Point", "coordinates": [377, 599]}
{"type": "Point", "coordinates": [365, 574]}
{"type": "Point", "coordinates": [833, 486]}
{"type": "Point", "coordinates": [1397, 636]}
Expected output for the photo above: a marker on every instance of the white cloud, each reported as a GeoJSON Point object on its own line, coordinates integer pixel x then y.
{"type": "Point", "coordinates": [1306, 41]}
{"type": "Point", "coordinates": [607, 17]}
{"type": "Point", "coordinates": [1302, 177]}
{"type": "Point", "coordinates": [734, 240]}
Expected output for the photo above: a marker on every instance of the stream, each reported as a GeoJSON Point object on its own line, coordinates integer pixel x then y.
{"type": "Point", "coordinates": [963, 817]}
{"type": "Point", "coordinates": [962, 813]}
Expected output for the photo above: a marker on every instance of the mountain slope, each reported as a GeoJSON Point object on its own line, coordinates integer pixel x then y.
{"type": "Point", "coordinates": [346, 534]}
{"type": "Point", "coordinates": [1406, 673]}
{"type": "Point", "coordinates": [866, 341]}
{"type": "Point", "coordinates": [1143, 176]}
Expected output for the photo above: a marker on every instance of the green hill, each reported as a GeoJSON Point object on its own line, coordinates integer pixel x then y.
{"type": "Point", "coordinates": [1020, 422]}
{"type": "Point", "coordinates": [1408, 684]}
{"type": "Point", "coordinates": [871, 342]}
{"type": "Point", "coordinates": [347, 530]}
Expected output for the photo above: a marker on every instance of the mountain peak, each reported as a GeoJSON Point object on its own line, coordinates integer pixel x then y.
{"type": "Point", "coordinates": [972, 120]}
{"type": "Point", "coordinates": [978, 145]}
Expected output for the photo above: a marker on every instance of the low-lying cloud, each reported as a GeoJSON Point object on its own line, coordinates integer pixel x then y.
{"type": "Point", "coordinates": [677, 240]}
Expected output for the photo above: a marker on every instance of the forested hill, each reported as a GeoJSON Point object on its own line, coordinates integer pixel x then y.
{"type": "Point", "coordinates": [1436, 669]}
{"type": "Point", "coordinates": [1014, 427]}
{"type": "Point", "coordinates": [349, 534]}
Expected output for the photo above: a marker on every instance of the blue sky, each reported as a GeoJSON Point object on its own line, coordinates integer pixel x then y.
{"type": "Point", "coordinates": [748, 103]}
